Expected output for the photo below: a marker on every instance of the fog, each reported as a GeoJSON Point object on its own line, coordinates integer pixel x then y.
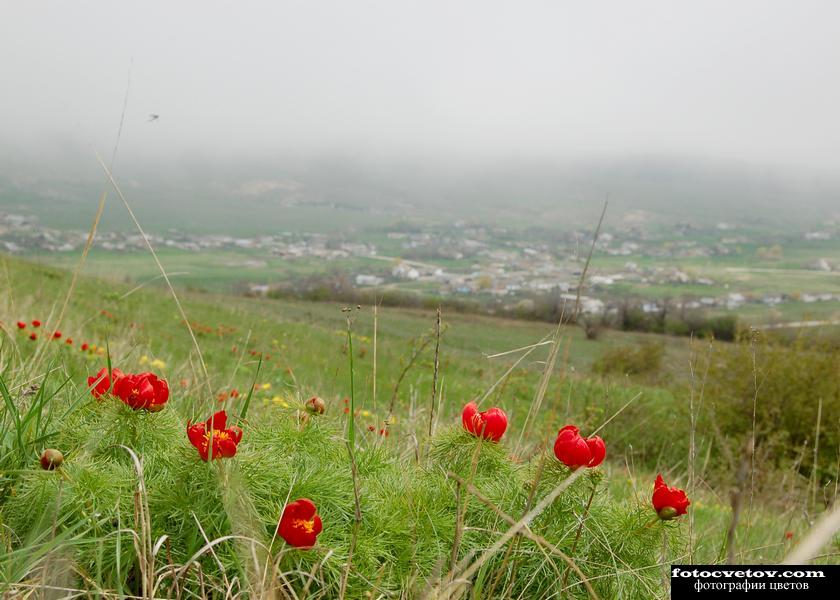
{"type": "Point", "coordinates": [466, 82]}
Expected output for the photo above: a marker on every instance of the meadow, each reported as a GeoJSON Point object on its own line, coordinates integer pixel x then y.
{"type": "Point", "coordinates": [411, 504]}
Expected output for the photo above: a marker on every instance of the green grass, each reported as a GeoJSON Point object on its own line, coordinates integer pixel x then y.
{"type": "Point", "coordinates": [81, 520]}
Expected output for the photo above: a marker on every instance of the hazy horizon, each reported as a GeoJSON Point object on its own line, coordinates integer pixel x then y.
{"type": "Point", "coordinates": [746, 84]}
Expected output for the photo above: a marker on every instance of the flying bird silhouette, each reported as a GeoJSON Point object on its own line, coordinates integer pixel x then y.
{"type": "Point", "coordinates": [153, 117]}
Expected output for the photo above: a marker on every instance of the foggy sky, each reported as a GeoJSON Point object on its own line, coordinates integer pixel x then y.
{"type": "Point", "coordinates": [753, 81]}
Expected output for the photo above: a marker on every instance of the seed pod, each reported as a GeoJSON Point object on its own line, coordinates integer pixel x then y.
{"type": "Point", "coordinates": [51, 459]}
{"type": "Point", "coordinates": [316, 406]}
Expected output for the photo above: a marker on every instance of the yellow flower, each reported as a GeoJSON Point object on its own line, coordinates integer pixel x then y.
{"type": "Point", "coordinates": [266, 386]}
{"type": "Point", "coordinates": [144, 359]}
{"type": "Point", "coordinates": [365, 413]}
{"type": "Point", "coordinates": [158, 364]}
{"type": "Point", "coordinates": [277, 400]}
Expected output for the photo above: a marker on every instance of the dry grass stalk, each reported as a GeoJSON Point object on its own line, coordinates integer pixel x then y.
{"type": "Point", "coordinates": [163, 273]}
{"type": "Point", "coordinates": [521, 528]}
{"type": "Point", "coordinates": [736, 498]}
{"type": "Point", "coordinates": [435, 375]}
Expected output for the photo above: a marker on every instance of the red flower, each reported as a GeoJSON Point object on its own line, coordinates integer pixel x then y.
{"type": "Point", "coordinates": [300, 523]}
{"type": "Point", "coordinates": [84, 347]}
{"type": "Point", "coordinates": [788, 535]}
{"type": "Point", "coordinates": [668, 502]}
{"type": "Point", "coordinates": [21, 325]}
{"type": "Point", "coordinates": [36, 323]}
{"type": "Point", "coordinates": [100, 383]}
{"type": "Point", "coordinates": [575, 451]}
{"type": "Point", "coordinates": [142, 391]}
{"type": "Point", "coordinates": [490, 424]}
{"type": "Point", "coordinates": [371, 428]}
{"type": "Point", "coordinates": [56, 335]}
{"type": "Point", "coordinates": [33, 336]}
{"type": "Point", "coordinates": [69, 341]}
{"type": "Point", "coordinates": [224, 439]}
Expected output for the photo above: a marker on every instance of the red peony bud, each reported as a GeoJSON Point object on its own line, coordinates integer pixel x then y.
{"type": "Point", "coordinates": [316, 406]}
{"type": "Point", "coordinates": [575, 451]}
{"type": "Point", "coordinates": [490, 424]}
{"type": "Point", "coordinates": [51, 459]}
{"type": "Point", "coordinates": [668, 502]}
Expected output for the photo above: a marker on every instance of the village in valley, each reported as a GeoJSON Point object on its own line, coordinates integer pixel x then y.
{"type": "Point", "coordinates": [712, 268]}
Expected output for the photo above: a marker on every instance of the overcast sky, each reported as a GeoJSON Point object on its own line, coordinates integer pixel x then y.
{"type": "Point", "coordinates": [755, 81]}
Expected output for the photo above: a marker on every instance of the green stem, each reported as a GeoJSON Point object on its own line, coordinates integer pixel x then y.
{"type": "Point", "coordinates": [352, 424]}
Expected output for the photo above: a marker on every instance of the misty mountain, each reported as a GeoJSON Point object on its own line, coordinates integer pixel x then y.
{"type": "Point", "coordinates": [335, 193]}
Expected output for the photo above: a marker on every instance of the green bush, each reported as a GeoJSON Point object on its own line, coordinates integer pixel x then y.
{"type": "Point", "coordinates": [644, 359]}
{"type": "Point", "coordinates": [784, 384]}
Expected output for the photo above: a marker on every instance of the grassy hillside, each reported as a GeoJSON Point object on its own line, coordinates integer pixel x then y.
{"type": "Point", "coordinates": [418, 509]}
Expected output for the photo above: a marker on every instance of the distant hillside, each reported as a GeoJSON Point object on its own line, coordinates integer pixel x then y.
{"type": "Point", "coordinates": [330, 195]}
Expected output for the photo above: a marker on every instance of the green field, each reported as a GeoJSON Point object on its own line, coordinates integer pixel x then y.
{"type": "Point", "coordinates": [290, 351]}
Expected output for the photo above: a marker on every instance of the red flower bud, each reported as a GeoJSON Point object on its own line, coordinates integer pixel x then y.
{"type": "Point", "coordinates": [21, 325]}
{"type": "Point", "coordinates": [300, 523]}
{"type": "Point", "coordinates": [575, 451]}
{"type": "Point", "coordinates": [84, 347]}
{"type": "Point", "coordinates": [36, 323]}
{"type": "Point", "coordinates": [668, 502]}
{"type": "Point", "coordinates": [490, 424]}
{"type": "Point", "coordinates": [51, 459]}
{"type": "Point", "coordinates": [316, 406]}
{"type": "Point", "coordinates": [56, 335]}
{"type": "Point", "coordinates": [33, 336]}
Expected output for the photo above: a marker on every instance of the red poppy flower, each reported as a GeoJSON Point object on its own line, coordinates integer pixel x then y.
{"type": "Point", "coordinates": [142, 391]}
{"type": "Point", "coordinates": [300, 523]}
{"type": "Point", "coordinates": [788, 535]}
{"type": "Point", "coordinates": [69, 341]}
{"type": "Point", "coordinates": [668, 502]}
{"type": "Point", "coordinates": [490, 424]}
{"type": "Point", "coordinates": [56, 335]}
{"type": "Point", "coordinates": [33, 336]}
{"type": "Point", "coordinates": [225, 439]}
{"type": "Point", "coordinates": [101, 383]}
{"type": "Point", "coordinates": [36, 323]}
{"type": "Point", "coordinates": [21, 325]}
{"type": "Point", "coordinates": [575, 451]}
{"type": "Point", "coordinates": [84, 347]}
